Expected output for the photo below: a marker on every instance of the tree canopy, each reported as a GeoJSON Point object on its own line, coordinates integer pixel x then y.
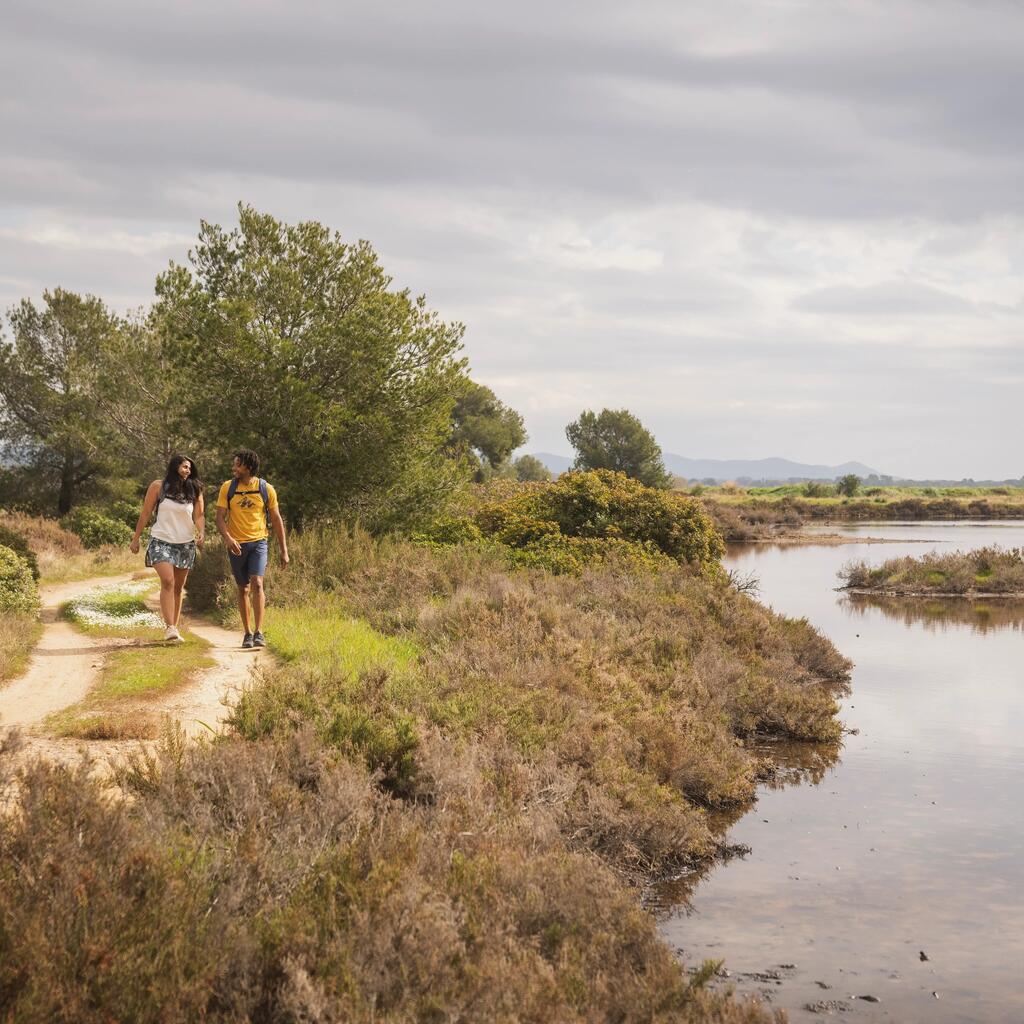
{"type": "Point", "coordinates": [297, 345]}
{"type": "Point", "coordinates": [615, 439]}
{"type": "Point", "coordinates": [484, 429]}
{"type": "Point", "coordinates": [50, 377]}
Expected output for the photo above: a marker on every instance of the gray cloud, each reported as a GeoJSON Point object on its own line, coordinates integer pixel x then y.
{"type": "Point", "coordinates": [729, 217]}
{"type": "Point", "coordinates": [891, 298]}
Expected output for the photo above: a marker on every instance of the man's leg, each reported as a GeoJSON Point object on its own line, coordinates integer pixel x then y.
{"type": "Point", "coordinates": [259, 602]}
{"type": "Point", "coordinates": [243, 605]}
{"type": "Point", "coordinates": [180, 575]}
{"type": "Point", "coordinates": [166, 573]}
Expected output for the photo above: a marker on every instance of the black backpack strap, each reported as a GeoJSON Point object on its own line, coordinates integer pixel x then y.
{"type": "Point", "coordinates": [265, 495]}
{"type": "Point", "coordinates": [232, 487]}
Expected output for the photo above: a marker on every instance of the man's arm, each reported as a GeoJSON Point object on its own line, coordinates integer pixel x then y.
{"type": "Point", "coordinates": [278, 524]}
{"type": "Point", "coordinates": [222, 528]}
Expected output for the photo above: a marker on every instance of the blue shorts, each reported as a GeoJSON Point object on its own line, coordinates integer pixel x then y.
{"type": "Point", "coordinates": [251, 562]}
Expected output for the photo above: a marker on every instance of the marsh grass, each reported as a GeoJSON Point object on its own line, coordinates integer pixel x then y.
{"type": "Point", "coordinates": [989, 570]}
{"type": "Point", "coordinates": [19, 633]}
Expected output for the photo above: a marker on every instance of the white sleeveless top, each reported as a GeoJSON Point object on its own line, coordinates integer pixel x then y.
{"type": "Point", "coordinates": [174, 522]}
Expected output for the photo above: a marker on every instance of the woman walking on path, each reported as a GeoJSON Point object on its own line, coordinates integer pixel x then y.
{"type": "Point", "coordinates": [179, 528]}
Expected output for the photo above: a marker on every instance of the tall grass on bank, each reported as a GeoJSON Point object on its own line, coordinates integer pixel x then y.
{"type": "Point", "coordinates": [989, 570]}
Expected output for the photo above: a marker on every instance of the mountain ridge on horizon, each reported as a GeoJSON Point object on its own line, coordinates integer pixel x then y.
{"type": "Point", "coordinates": [731, 469]}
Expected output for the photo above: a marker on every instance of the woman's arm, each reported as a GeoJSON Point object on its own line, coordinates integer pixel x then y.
{"type": "Point", "coordinates": [148, 504]}
{"type": "Point", "coordinates": [199, 518]}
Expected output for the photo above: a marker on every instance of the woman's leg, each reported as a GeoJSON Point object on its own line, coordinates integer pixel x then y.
{"type": "Point", "coordinates": [180, 575]}
{"type": "Point", "coordinates": [166, 573]}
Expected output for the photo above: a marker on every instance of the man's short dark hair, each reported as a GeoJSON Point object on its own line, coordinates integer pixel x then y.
{"type": "Point", "coordinates": [248, 458]}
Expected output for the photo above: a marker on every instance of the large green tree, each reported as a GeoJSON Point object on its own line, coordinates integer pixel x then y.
{"type": "Point", "coordinates": [484, 429]}
{"type": "Point", "coordinates": [294, 343]}
{"type": "Point", "coordinates": [50, 372]}
{"type": "Point", "coordinates": [143, 395]}
{"type": "Point", "coordinates": [615, 439]}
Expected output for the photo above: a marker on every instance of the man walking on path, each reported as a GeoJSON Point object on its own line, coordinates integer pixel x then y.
{"type": "Point", "coordinates": [246, 509]}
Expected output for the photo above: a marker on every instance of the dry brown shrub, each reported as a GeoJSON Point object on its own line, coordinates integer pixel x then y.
{"type": "Point", "coordinates": [273, 882]}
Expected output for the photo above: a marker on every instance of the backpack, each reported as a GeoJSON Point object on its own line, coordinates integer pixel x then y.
{"type": "Point", "coordinates": [263, 493]}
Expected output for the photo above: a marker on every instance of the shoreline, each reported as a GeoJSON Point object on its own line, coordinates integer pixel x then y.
{"type": "Point", "coordinates": [968, 595]}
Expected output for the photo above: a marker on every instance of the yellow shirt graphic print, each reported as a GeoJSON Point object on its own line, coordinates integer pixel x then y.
{"type": "Point", "coordinates": [247, 518]}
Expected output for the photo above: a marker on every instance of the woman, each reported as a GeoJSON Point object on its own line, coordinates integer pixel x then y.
{"type": "Point", "coordinates": [180, 526]}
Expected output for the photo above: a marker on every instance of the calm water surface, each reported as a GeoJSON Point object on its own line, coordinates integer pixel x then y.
{"type": "Point", "coordinates": [914, 839]}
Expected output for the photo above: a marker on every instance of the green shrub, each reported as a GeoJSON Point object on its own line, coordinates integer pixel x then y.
{"type": "Point", "coordinates": [449, 530]}
{"type": "Point", "coordinates": [603, 508]}
{"type": "Point", "coordinates": [17, 543]}
{"type": "Point", "coordinates": [96, 529]}
{"type": "Point", "coordinates": [124, 511]}
{"type": "Point", "coordinates": [17, 586]}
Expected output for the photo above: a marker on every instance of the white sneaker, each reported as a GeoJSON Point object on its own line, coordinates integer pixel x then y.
{"type": "Point", "coordinates": [171, 633]}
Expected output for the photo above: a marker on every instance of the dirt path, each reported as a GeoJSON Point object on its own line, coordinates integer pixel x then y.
{"type": "Point", "coordinates": [66, 664]}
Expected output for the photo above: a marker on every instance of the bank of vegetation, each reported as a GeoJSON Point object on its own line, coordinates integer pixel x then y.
{"type": "Point", "coordinates": [983, 571]}
{"type": "Point", "coordinates": [751, 514]}
{"type": "Point", "coordinates": [493, 712]}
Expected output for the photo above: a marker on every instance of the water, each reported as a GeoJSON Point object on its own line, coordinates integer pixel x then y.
{"type": "Point", "coordinates": [914, 839]}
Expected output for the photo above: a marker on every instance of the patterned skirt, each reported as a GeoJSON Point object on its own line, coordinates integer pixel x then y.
{"type": "Point", "coordinates": [181, 556]}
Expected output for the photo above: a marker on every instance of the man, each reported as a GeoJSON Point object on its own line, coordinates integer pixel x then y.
{"type": "Point", "coordinates": [246, 505]}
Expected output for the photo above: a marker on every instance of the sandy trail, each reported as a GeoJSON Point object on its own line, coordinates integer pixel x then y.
{"type": "Point", "coordinates": [66, 664]}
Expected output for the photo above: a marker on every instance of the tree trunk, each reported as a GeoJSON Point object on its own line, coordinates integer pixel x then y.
{"type": "Point", "coordinates": [67, 488]}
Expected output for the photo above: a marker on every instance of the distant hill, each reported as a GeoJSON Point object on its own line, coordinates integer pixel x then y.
{"type": "Point", "coordinates": [761, 469]}
{"type": "Point", "coordinates": [735, 469]}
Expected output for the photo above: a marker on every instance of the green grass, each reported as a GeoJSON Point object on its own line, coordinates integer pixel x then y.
{"type": "Point", "coordinates": [19, 633]}
{"type": "Point", "coordinates": [323, 634]}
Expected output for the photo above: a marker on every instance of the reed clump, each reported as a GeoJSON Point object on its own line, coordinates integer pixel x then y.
{"type": "Point", "coordinates": [988, 570]}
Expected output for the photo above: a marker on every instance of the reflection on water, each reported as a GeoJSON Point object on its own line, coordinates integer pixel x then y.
{"type": "Point", "coordinates": [786, 764]}
{"type": "Point", "coordinates": [981, 615]}
{"type": "Point", "coordinates": [913, 840]}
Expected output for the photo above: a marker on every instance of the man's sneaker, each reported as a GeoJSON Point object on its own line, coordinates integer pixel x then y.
{"type": "Point", "coordinates": [171, 633]}
{"type": "Point", "coordinates": [247, 641]}
{"type": "Point", "coordinates": [258, 639]}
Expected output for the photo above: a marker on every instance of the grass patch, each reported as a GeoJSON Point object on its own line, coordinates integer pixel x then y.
{"type": "Point", "coordinates": [116, 706]}
{"type": "Point", "coordinates": [19, 633]}
{"type": "Point", "coordinates": [115, 611]}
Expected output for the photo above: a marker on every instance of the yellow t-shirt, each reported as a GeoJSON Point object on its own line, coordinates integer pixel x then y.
{"type": "Point", "coordinates": [247, 518]}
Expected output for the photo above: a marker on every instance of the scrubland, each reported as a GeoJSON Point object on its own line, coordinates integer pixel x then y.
{"type": "Point", "coordinates": [435, 806]}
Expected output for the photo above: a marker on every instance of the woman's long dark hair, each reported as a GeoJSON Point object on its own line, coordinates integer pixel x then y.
{"type": "Point", "coordinates": [182, 490]}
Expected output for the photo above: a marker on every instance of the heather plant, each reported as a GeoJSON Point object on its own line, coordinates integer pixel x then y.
{"type": "Point", "coordinates": [272, 881]}
{"type": "Point", "coordinates": [637, 685]}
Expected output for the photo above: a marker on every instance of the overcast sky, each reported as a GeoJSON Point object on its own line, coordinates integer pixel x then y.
{"type": "Point", "coordinates": [780, 228]}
